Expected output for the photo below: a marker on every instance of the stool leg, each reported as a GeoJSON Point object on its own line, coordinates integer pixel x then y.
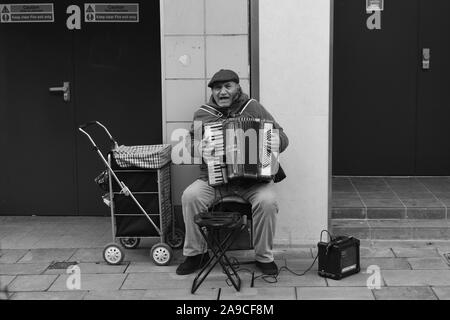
{"type": "Point", "coordinates": [223, 250]}
{"type": "Point", "coordinates": [218, 254]}
{"type": "Point", "coordinates": [200, 277]}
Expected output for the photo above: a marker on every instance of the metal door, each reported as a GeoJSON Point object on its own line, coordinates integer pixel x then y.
{"type": "Point", "coordinates": [51, 80]}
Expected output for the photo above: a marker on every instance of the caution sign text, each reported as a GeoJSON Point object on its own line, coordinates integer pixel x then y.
{"type": "Point", "coordinates": [25, 13]}
{"type": "Point", "coordinates": [114, 12]}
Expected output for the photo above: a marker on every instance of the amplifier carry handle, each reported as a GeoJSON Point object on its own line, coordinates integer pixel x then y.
{"type": "Point", "coordinates": [329, 234]}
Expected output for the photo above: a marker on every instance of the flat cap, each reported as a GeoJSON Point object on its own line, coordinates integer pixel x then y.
{"type": "Point", "coordinates": [223, 75]}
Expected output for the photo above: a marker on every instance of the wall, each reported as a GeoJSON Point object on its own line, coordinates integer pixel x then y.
{"type": "Point", "coordinates": [294, 86]}
{"type": "Point", "coordinates": [199, 37]}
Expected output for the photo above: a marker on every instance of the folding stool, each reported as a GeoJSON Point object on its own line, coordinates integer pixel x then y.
{"type": "Point", "coordinates": [211, 224]}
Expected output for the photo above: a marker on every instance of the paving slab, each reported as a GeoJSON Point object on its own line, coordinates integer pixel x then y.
{"type": "Point", "coordinates": [341, 293]}
{"type": "Point", "coordinates": [66, 242]}
{"type": "Point", "coordinates": [147, 281]}
{"type": "Point", "coordinates": [369, 184]}
{"type": "Point", "coordinates": [375, 252]}
{"type": "Point", "coordinates": [286, 279]}
{"type": "Point", "coordinates": [443, 293]}
{"type": "Point", "coordinates": [91, 282]}
{"type": "Point", "coordinates": [415, 243]}
{"type": "Point", "coordinates": [22, 268]}
{"type": "Point", "coordinates": [5, 281]}
{"type": "Point", "coordinates": [428, 263]}
{"type": "Point", "coordinates": [292, 253]}
{"type": "Point", "coordinates": [72, 295]}
{"type": "Point", "coordinates": [385, 213]}
{"type": "Point", "coordinates": [32, 283]}
{"type": "Point", "coordinates": [357, 228]}
{"type": "Point", "coordinates": [443, 249]}
{"type": "Point", "coordinates": [87, 255]}
{"type": "Point", "coordinates": [277, 293]}
{"type": "Point", "coordinates": [427, 213]}
{"type": "Point", "coordinates": [20, 242]}
{"type": "Point", "coordinates": [246, 254]}
{"type": "Point", "coordinates": [378, 195]}
{"type": "Point", "coordinates": [149, 267]}
{"type": "Point", "coordinates": [47, 255]}
{"type": "Point", "coordinates": [182, 294]}
{"type": "Point", "coordinates": [404, 293]}
{"type": "Point", "coordinates": [342, 184]}
{"type": "Point", "coordinates": [93, 268]}
{"type": "Point", "coordinates": [5, 295]}
{"type": "Point", "coordinates": [356, 280]}
{"type": "Point", "coordinates": [421, 278]}
{"type": "Point", "coordinates": [415, 252]}
{"type": "Point", "coordinates": [392, 233]}
{"type": "Point", "coordinates": [348, 202]}
{"type": "Point", "coordinates": [385, 263]}
{"type": "Point", "coordinates": [11, 255]}
{"type": "Point", "coordinates": [348, 213]}
{"type": "Point", "coordinates": [301, 264]}
{"type": "Point", "coordinates": [431, 233]}
{"type": "Point", "coordinates": [390, 202]}
{"type": "Point", "coordinates": [115, 295]}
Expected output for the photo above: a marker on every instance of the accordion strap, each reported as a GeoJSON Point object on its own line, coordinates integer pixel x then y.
{"type": "Point", "coordinates": [218, 114]}
{"type": "Point", "coordinates": [241, 111]}
{"type": "Point", "coordinates": [211, 110]}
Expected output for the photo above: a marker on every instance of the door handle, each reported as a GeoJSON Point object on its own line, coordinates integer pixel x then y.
{"type": "Point", "coordinates": [65, 89]}
{"type": "Point", "coordinates": [426, 56]}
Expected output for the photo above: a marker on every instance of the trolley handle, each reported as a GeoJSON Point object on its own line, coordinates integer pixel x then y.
{"type": "Point", "coordinates": [88, 124]}
{"type": "Point", "coordinates": [97, 123]}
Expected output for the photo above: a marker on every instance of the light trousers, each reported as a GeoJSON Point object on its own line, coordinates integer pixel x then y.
{"type": "Point", "coordinates": [200, 195]}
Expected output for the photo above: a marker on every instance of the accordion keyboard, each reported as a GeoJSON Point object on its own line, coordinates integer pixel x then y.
{"type": "Point", "coordinates": [216, 174]}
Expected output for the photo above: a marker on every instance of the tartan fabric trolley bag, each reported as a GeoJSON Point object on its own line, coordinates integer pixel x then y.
{"type": "Point", "coordinates": [137, 179]}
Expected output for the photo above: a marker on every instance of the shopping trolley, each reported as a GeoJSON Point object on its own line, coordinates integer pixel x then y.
{"type": "Point", "coordinates": [137, 180]}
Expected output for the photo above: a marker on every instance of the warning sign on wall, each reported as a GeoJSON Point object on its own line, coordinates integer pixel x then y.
{"type": "Point", "coordinates": [24, 13]}
{"type": "Point", "coordinates": [374, 5]}
{"type": "Point", "coordinates": [113, 12]}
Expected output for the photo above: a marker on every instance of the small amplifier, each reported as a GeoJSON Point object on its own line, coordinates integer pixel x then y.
{"type": "Point", "coordinates": [339, 258]}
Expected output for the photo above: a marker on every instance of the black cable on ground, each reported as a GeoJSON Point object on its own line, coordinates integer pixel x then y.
{"type": "Point", "coordinates": [273, 278]}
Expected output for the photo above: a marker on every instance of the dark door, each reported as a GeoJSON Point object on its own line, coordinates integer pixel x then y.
{"type": "Point", "coordinates": [433, 115]}
{"type": "Point", "coordinates": [374, 101]}
{"type": "Point", "coordinates": [36, 127]}
{"type": "Point", "coordinates": [115, 77]}
{"type": "Point", "coordinates": [391, 112]}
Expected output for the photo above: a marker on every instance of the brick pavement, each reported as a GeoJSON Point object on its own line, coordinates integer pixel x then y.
{"type": "Point", "coordinates": [409, 270]}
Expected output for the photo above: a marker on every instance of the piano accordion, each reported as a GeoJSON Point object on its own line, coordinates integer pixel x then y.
{"type": "Point", "coordinates": [242, 149]}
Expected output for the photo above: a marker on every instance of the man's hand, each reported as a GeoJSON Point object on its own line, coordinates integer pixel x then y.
{"type": "Point", "coordinates": [207, 150]}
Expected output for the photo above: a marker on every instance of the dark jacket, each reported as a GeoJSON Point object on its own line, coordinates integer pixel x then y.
{"type": "Point", "coordinates": [253, 109]}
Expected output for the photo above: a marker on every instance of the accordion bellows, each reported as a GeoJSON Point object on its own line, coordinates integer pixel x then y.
{"type": "Point", "coordinates": [145, 157]}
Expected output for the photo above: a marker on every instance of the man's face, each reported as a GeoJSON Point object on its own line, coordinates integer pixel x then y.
{"type": "Point", "coordinates": [225, 93]}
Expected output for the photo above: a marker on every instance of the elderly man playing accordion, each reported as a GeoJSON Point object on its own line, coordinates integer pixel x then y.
{"type": "Point", "coordinates": [228, 101]}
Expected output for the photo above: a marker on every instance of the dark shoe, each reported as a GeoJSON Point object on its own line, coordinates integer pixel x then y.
{"type": "Point", "coordinates": [192, 264]}
{"type": "Point", "coordinates": [269, 268]}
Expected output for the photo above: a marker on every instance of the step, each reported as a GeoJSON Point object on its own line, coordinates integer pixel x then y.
{"type": "Point", "coordinates": [392, 229]}
{"type": "Point", "coordinates": [390, 197]}
{"type": "Point", "coordinates": [378, 213]}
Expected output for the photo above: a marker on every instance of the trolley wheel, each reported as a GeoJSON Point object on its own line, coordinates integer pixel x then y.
{"type": "Point", "coordinates": [113, 254]}
{"type": "Point", "coordinates": [175, 238]}
{"type": "Point", "coordinates": [161, 254]}
{"type": "Point", "coordinates": [130, 243]}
